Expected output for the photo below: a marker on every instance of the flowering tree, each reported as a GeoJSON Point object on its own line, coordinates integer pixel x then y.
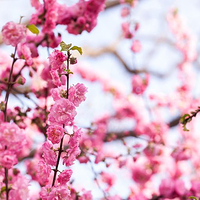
{"type": "Point", "coordinates": [47, 140]}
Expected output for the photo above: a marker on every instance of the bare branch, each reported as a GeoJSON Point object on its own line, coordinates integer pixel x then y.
{"type": "Point", "coordinates": [112, 3]}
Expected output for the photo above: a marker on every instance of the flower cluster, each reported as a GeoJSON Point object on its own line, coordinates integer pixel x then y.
{"type": "Point", "coordinates": [78, 17]}
{"type": "Point", "coordinates": [13, 139]}
{"type": "Point", "coordinates": [60, 119]}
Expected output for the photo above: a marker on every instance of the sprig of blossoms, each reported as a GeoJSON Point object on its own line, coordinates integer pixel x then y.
{"type": "Point", "coordinates": [61, 117]}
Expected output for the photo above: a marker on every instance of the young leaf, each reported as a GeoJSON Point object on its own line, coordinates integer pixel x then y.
{"type": "Point", "coordinates": [78, 49]}
{"type": "Point", "coordinates": [184, 128]}
{"type": "Point", "coordinates": [32, 28]}
{"type": "Point", "coordinates": [3, 189]}
{"type": "Point", "coordinates": [183, 120]}
{"type": "Point", "coordinates": [194, 198]}
{"type": "Point", "coordinates": [64, 46]}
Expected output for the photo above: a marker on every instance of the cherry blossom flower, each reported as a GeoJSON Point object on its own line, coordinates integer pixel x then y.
{"type": "Point", "coordinates": [59, 192]}
{"type": "Point", "coordinates": [8, 159]}
{"type": "Point", "coordinates": [56, 59]}
{"type": "Point", "coordinates": [58, 93]}
{"type": "Point", "coordinates": [55, 133]}
{"type": "Point", "coordinates": [20, 188]}
{"type": "Point", "coordinates": [64, 177]}
{"type": "Point", "coordinates": [13, 33]}
{"type": "Point", "coordinates": [43, 172]}
{"type": "Point", "coordinates": [49, 155]}
{"type": "Point", "coordinates": [136, 46]}
{"type": "Point", "coordinates": [167, 187]}
{"type": "Point", "coordinates": [62, 112]}
{"type": "Point", "coordinates": [77, 94]}
{"type": "Point", "coordinates": [139, 84]}
{"type": "Point", "coordinates": [24, 52]}
{"type": "Point", "coordinates": [12, 137]}
{"type": "Point", "coordinates": [72, 153]}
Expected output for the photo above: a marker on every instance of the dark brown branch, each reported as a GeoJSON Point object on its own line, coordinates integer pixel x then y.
{"type": "Point", "coordinates": [111, 49]}
{"type": "Point", "coordinates": [136, 71]}
{"type": "Point", "coordinates": [174, 122]}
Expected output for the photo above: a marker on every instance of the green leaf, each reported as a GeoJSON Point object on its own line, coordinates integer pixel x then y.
{"type": "Point", "coordinates": [32, 28]}
{"type": "Point", "coordinates": [183, 120]}
{"type": "Point", "coordinates": [64, 46]}
{"type": "Point", "coordinates": [192, 197]}
{"type": "Point", "coordinates": [78, 49]}
{"type": "Point", "coordinates": [3, 189]}
{"type": "Point", "coordinates": [184, 128]}
{"type": "Point", "coordinates": [69, 71]}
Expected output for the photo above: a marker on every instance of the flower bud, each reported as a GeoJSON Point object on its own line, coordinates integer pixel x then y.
{"type": "Point", "coordinates": [73, 60]}
{"type": "Point", "coordinates": [21, 80]}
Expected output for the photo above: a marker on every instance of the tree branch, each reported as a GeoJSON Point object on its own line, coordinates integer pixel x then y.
{"type": "Point", "coordinates": [131, 133]}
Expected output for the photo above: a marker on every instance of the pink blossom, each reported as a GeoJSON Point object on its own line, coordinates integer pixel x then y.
{"type": "Point", "coordinates": [43, 172]}
{"type": "Point", "coordinates": [31, 168]}
{"type": "Point", "coordinates": [152, 150]}
{"type": "Point", "coordinates": [81, 16]}
{"type": "Point", "coordinates": [54, 40]}
{"type": "Point", "coordinates": [33, 50]}
{"type": "Point", "coordinates": [77, 94]}
{"type": "Point", "coordinates": [109, 179]}
{"type": "Point", "coordinates": [24, 52]}
{"type": "Point", "coordinates": [63, 79]}
{"type": "Point", "coordinates": [60, 192]}
{"type": "Point", "coordinates": [55, 133]}
{"type": "Point", "coordinates": [62, 112]}
{"type": "Point", "coordinates": [125, 12]}
{"type": "Point", "coordinates": [8, 159]}
{"type": "Point", "coordinates": [99, 157]}
{"type": "Point", "coordinates": [72, 153]}
{"type": "Point", "coordinates": [180, 187]}
{"type": "Point", "coordinates": [50, 156]}
{"type": "Point", "coordinates": [12, 137]}
{"type": "Point", "coordinates": [35, 3]}
{"type": "Point", "coordinates": [13, 33]}
{"type": "Point", "coordinates": [181, 153]}
{"type": "Point", "coordinates": [136, 46]}
{"type": "Point", "coordinates": [140, 175]}
{"type": "Point", "coordinates": [167, 187]}
{"type": "Point", "coordinates": [74, 140]}
{"type": "Point", "coordinates": [74, 149]}
{"type": "Point", "coordinates": [50, 17]}
{"type": "Point", "coordinates": [83, 159]}
{"type": "Point", "coordinates": [65, 176]}
{"type": "Point", "coordinates": [58, 93]}
{"type": "Point", "coordinates": [139, 85]}
{"type": "Point", "coordinates": [20, 190]}
{"type": "Point", "coordinates": [55, 78]}
{"type": "Point", "coordinates": [126, 30]}
{"type": "Point", "coordinates": [44, 193]}
{"type": "Point", "coordinates": [195, 185]}
{"type": "Point", "coordinates": [56, 59]}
